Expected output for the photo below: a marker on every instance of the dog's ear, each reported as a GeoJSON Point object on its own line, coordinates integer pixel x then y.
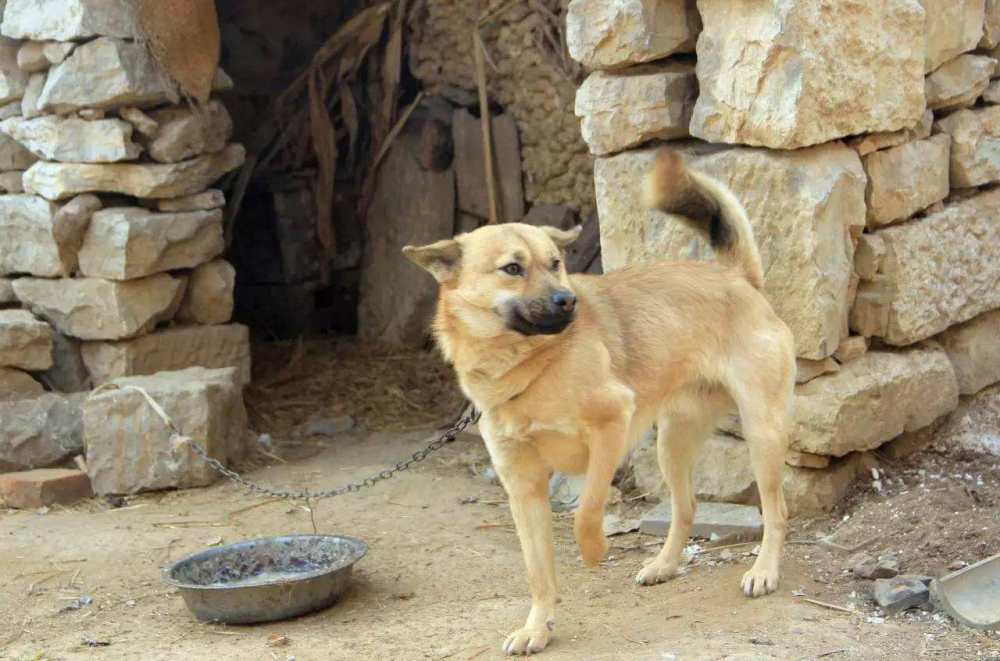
{"type": "Point", "coordinates": [563, 238]}
{"type": "Point", "coordinates": [440, 259]}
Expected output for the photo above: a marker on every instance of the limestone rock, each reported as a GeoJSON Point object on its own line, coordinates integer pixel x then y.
{"type": "Point", "coordinates": [68, 20]}
{"type": "Point", "coordinates": [992, 93]}
{"type": "Point", "coordinates": [903, 180]}
{"type": "Point", "coordinates": [40, 432]}
{"type": "Point", "coordinates": [37, 240]}
{"type": "Point", "coordinates": [803, 205]}
{"type": "Point", "coordinates": [13, 156]}
{"type": "Point", "coordinates": [31, 57]}
{"type": "Point", "coordinates": [779, 74]}
{"type": "Point", "coordinates": [991, 26]}
{"type": "Point", "coordinates": [204, 201]}
{"type": "Point", "coordinates": [209, 298]}
{"type": "Point", "coordinates": [6, 292]}
{"type": "Point", "coordinates": [25, 342]}
{"type": "Point", "coordinates": [130, 449]}
{"type": "Point", "coordinates": [29, 102]}
{"type": "Point", "coordinates": [106, 73]}
{"type": "Point", "coordinates": [806, 460]}
{"type": "Point", "coordinates": [184, 133]}
{"type": "Point", "coordinates": [974, 426]}
{"type": "Point", "coordinates": [13, 81]}
{"type": "Point", "coordinates": [958, 83]}
{"type": "Point", "coordinates": [974, 158]}
{"type": "Point", "coordinates": [870, 142]}
{"type": "Point", "coordinates": [895, 595]}
{"type": "Point", "coordinates": [872, 400]}
{"type": "Point", "coordinates": [92, 309]}
{"type": "Point", "coordinates": [68, 373]}
{"type": "Point", "coordinates": [610, 34]}
{"type": "Point", "coordinates": [722, 472]}
{"type": "Point", "coordinates": [175, 348]}
{"type": "Point", "coordinates": [11, 182]}
{"type": "Point", "coordinates": [935, 273]}
{"type": "Point", "coordinates": [974, 352]}
{"type": "Point", "coordinates": [953, 27]}
{"type": "Point", "coordinates": [411, 206]}
{"type": "Point", "coordinates": [123, 243]}
{"type": "Point", "coordinates": [142, 122]}
{"type": "Point", "coordinates": [810, 491]}
{"type": "Point", "coordinates": [74, 140]}
{"type": "Point", "coordinates": [470, 177]}
{"type": "Point", "coordinates": [851, 348]}
{"type": "Point", "coordinates": [15, 384]}
{"type": "Point", "coordinates": [11, 109]}
{"type": "Point", "coordinates": [61, 180]}
{"type": "Point", "coordinates": [56, 52]}
{"type": "Point", "coordinates": [621, 110]}
{"type": "Point", "coordinates": [807, 370]}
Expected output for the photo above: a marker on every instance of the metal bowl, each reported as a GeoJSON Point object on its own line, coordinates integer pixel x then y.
{"type": "Point", "coordinates": [268, 579]}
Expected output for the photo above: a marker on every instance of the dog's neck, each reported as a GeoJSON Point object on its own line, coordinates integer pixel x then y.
{"type": "Point", "coordinates": [491, 370]}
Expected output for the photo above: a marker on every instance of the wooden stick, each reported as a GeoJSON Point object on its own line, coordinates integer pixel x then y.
{"type": "Point", "coordinates": [833, 607]}
{"type": "Point", "coordinates": [478, 48]}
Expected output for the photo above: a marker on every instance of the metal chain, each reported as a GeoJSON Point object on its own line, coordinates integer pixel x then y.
{"type": "Point", "coordinates": [447, 436]}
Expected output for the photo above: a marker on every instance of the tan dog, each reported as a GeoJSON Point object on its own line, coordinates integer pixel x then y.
{"type": "Point", "coordinates": [570, 371]}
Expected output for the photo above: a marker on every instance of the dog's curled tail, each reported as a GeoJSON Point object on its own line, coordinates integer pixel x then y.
{"type": "Point", "coordinates": [706, 206]}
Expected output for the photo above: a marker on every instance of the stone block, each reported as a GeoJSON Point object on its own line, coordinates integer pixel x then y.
{"type": "Point", "coordinates": [11, 182]}
{"type": "Point", "coordinates": [106, 73]}
{"type": "Point", "coordinates": [803, 205]}
{"type": "Point", "coordinates": [810, 491]}
{"type": "Point", "coordinates": [209, 297]}
{"type": "Point", "coordinates": [25, 342]}
{"type": "Point", "coordinates": [40, 432]}
{"type": "Point", "coordinates": [43, 487]}
{"type": "Point", "coordinates": [68, 373]}
{"type": "Point", "coordinates": [73, 140]}
{"type": "Point", "coordinates": [611, 34]}
{"type": "Point", "coordinates": [13, 81]}
{"type": "Point", "coordinates": [31, 57]}
{"type": "Point", "coordinates": [411, 206]}
{"type": "Point", "coordinates": [872, 142]}
{"type": "Point", "coordinates": [851, 348]}
{"type": "Point", "coordinates": [958, 83]}
{"type": "Point", "coordinates": [57, 181]}
{"type": "Point", "coordinates": [11, 109]}
{"type": "Point", "coordinates": [142, 122]}
{"type": "Point", "coordinates": [722, 519]}
{"type": "Point", "coordinates": [93, 309]}
{"type": "Point", "coordinates": [184, 133]}
{"type": "Point", "coordinates": [13, 155]}
{"type": "Point", "coordinates": [991, 25]}
{"type": "Point", "coordinates": [776, 74]}
{"type": "Point", "coordinates": [895, 595]}
{"type": "Point", "coordinates": [69, 20]}
{"type": "Point", "coordinates": [539, 215]}
{"type": "Point", "coordinates": [622, 110]}
{"type": "Point", "coordinates": [204, 201]}
{"type": "Point", "coordinates": [7, 292]}
{"type": "Point", "coordinates": [806, 370]}
{"type": "Point", "coordinates": [470, 177]}
{"type": "Point", "coordinates": [722, 471]}
{"type": "Point", "coordinates": [171, 349]}
{"type": "Point", "coordinates": [975, 135]}
{"type": "Point", "coordinates": [15, 384]}
{"type": "Point", "coordinates": [806, 460]}
{"type": "Point", "coordinates": [935, 273]}
{"type": "Point", "coordinates": [129, 447]}
{"type": "Point", "coordinates": [974, 351]}
{"type": "Point", "coordinates": [872, 400]}
{"type": "Point", "coordinates": [123, 243]}
{"type": "Point", "coordinates": [906, 179]}
{"type": "Point", "coordinates": [33, 92]}
{"type": "Point", "coordinates": [953, 27]}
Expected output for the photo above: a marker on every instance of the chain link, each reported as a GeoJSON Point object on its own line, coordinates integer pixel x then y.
{"type": "Point", "coordinates": [447, 436]}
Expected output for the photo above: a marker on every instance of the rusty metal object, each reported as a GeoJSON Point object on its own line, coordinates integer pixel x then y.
{"type": "Point", "coordinates": [264, 580]}
{"type": "Point", "coordinates": [971, 595]}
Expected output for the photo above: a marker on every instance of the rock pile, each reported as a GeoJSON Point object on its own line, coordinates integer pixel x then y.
{"type": "Point", "coordinates": [862, 176]}
{"type": "Point", "coordinates": [110, 237]}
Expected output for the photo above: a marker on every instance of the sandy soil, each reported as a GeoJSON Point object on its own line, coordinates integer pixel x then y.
{"type": "Point", "coordinates": [443, 578]}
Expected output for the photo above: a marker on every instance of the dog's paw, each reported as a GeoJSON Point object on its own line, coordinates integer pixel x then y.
{"type": "Point", "coordinates": [759, 581]}
{"type": "Point", "coordinates": [656, 572]}
{"type": "Point", "coordinates": [527, 641]}
{"type": "Point", "coordinates": [593, 548]}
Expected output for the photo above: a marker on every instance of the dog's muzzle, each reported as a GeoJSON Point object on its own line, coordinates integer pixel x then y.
{"type": "Point", "coordinates": [543, 316]}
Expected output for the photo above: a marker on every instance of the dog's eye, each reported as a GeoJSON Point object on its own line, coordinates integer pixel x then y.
{"type": "Point", "coordinates": [513, 269]}
{"type": "Point", "coordinates": [556, 264]}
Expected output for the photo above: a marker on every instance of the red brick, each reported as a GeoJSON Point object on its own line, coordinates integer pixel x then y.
{"type": "Point", "coordinates": [44, 486]}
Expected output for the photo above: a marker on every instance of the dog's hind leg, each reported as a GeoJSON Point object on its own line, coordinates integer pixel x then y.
{"type": "Point", "coordinates": [679, 438]}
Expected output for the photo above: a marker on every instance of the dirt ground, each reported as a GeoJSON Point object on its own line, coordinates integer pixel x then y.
{"type": "Point", "coordinates": [443, 578]}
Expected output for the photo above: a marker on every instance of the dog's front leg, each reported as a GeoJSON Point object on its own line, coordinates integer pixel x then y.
{"type": "Point", "coordinates": [526, 479]}
{"type": "Point", "coordinates": [607, 447]}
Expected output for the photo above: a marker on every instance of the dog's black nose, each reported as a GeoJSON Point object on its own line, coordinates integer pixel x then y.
{"type": "Point", "coordinates": [564, 300]}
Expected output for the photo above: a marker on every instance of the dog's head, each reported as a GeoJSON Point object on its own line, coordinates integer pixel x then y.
{"type": "Point", "coordinates": [504, 278]}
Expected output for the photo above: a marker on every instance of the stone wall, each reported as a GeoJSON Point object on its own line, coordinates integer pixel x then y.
{"type": "Point", "coordinates": [526, 75]}
{"type": "Point", "coordinates": [110, 235]}
{"type": "Point", "coordinates": [861, 138]}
